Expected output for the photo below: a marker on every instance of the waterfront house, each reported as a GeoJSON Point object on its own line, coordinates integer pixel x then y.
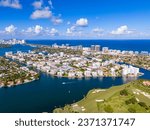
{"type": "Point", "coordinates": [94, 74]}
{"type": "Point", "coordinates": [87, 73]}
{"type": "Point", "coordinates": [100, 72]}
{"type": "Point", "coordinates": [71, 74]}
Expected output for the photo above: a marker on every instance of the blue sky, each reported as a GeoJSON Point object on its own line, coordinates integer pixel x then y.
{"type": "Point", "coordinates": [75, 19]}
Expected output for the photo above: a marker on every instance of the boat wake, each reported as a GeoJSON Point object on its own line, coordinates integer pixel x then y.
{"type": "Point", "coordinates": [67, 83]}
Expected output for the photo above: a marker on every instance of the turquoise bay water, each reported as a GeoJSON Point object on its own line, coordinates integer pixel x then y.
{"type": "Point", "coordinates": [47, 93]}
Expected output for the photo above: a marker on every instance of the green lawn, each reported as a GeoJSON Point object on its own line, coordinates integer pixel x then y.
{"type": "Point", "coordinates": [112, 100]}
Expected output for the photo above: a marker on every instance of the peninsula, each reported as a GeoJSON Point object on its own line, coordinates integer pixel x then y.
{"type": "Point", "coordinates": [12, 74]}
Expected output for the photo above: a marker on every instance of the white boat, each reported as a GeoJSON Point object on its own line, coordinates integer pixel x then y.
{"type": "Point", "coordinates": [63, 83]}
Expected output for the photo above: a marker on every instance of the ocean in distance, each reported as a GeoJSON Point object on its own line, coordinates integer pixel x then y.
{"type": "Point", "coordinates": [134, 45]}
{"type": "Point", "coordinates": [49, 92]}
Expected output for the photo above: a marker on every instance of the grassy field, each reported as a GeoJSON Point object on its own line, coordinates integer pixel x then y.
{"type": "Point", "coordinates": [133, 97]}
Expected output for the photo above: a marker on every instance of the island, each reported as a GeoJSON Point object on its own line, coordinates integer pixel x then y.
{"type": "Point", "coordinates": [11, 42]}
{"type": "Point", "coordinates": [128, 98]}
{"type": "Point", "coordinates": [12, 74]}
{"type": "Point", "coordinates": [81, 62]}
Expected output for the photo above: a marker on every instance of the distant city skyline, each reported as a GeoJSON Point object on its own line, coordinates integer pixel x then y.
{"type": "Point", "coordinates": [74, 19]}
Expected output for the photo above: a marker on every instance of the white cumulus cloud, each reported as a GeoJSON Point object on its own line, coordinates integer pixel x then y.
{"type": "Point", "coordinates": [10, 29]}
{"type": "Point", "coordinates": [50, 3]}
{"type": "Point", "coordinates": [38, 29]}
{"type": "Point", "coordinates": [29, 30]}
{"type": "Point", "coordinates": [121, 30]}
{"type": "Point", "coordinates": [57, 21]}
{"type": "Point", "coordinates": [38, 4]}
{"type": "Point", "coordinates": [69, 31]}
{"type": "Point", "coordinates": [35, 30]}
{"type": "Point", "coordinates": [41, 13]}
{"type": "Point", "coordinates": [11, 3]}
{"type": "Point", "coordinates": [98, 30]}
{"type": "Point", "coordinates": [83, 22]}
{"type": "Point", "coordinates": [54, 32]}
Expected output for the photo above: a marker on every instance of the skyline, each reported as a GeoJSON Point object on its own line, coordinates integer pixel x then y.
{"type": "Point", "coordinates": [78, 19]}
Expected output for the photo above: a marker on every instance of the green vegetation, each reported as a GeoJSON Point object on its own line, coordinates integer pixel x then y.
{"type": "Point", "coordinates": [132, 110]}
{"type": "Point", "coordinates": [141, 61]}
{"type": "Point", "coordinates": [131, 101]}
{"type": "Point", "coordinates": [128, 98]}
{"type": "Point", "coordinates": [5, 45]}
{"type": "Point", "coordinates": [143, 104]}
{"type": "Point", "coordinates": [124, 92]}
{"type": "Point", "coordinates": [58, 50]}
{"type": "Point", "coordinates": [108, 109]}
{"type": "Point", "coordinates": [12, 73]}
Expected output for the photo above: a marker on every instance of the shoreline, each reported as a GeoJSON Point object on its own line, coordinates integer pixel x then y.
{"type": "Point", "coordinates": [14, 85]}
{"type": "Point", "coordinates": [94, 77]}
{"type": "Point", "coordinates": [84, 77]}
